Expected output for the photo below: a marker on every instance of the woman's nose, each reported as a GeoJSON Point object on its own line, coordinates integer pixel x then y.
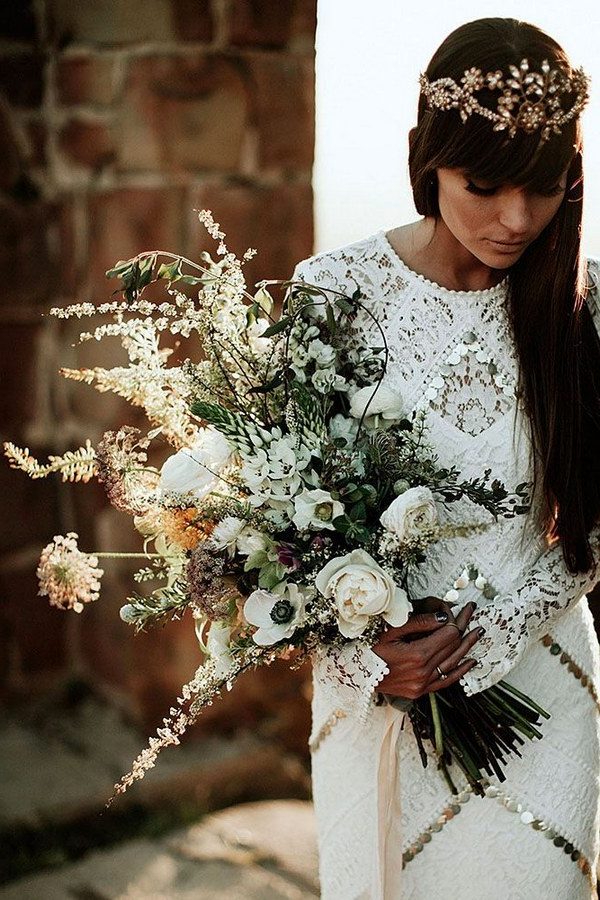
{"type": "Point", "coordinates": [515, 214]}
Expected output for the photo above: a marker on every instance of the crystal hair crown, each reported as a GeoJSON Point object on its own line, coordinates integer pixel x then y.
{"type": "Point", "coordinates": [529, 100]}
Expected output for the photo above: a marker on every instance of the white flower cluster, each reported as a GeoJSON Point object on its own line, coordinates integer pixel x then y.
{"type": "Point", "coordinates": [276, 473]}
{"type": "Point", "coordinates": [312, 359]}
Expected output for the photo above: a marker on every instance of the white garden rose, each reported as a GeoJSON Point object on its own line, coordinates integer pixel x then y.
{"type": "Point", "coordinates": [191, 470]}
{"type": "Point", "coordinates": [360, 588]}
{"type": "Point", "coordinates": [386, 402]}
{"type": "Point", "coordinates": [410, 513]}
{"type": "Point", "coordinates": [276, 614]}
{"type": "Point", "coordinates": [316, 509]}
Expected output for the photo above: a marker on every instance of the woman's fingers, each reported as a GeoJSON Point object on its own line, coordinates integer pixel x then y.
{"type": "Point", "coordinates": [445, 638]}
{"type": "Point", "coordinates": [463, 617]}
{"type": "Point", "coordinates": [447, 662]}
{"type": "Point", "coordinates": [437, 683]}
{"type": "Point", "coordinates": [416, 624]}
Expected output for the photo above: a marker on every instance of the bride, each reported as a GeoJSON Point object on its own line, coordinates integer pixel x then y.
{"type": "Point", "coordinates": [491, 315]}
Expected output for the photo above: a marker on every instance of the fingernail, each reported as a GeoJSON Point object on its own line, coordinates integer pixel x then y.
{"type": "Point", "coordinates": [472, 604]}
{"type": "Point", "coordinates": [441, 616]}
{"type": "Point", "coordinates": [481, 632]}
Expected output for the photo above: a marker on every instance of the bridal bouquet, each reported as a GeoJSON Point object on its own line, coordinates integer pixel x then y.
{"type": "Point", "coordinates": [296, 497]}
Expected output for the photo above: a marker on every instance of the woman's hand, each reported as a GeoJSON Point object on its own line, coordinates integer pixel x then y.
{"type": "Point", "coordinates": [412, 660]}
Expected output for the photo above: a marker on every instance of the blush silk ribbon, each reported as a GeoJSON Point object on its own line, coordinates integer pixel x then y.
{"type": "Point", "coordinates": [388, 872]}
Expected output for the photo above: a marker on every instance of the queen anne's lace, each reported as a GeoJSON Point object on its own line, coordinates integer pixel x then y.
{"type": "Point", "coordinates": [451, 352]}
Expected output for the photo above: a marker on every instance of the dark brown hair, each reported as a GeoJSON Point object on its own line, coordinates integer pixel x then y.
{"type": "Point", "coordinates": [557, 345]}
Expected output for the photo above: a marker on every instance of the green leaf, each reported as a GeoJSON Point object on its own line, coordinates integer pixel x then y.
{"type": "Point", "coordinates": [278, 327]}
{"type": "Point", "coordinates": [190, 279]}
{"type": "Point", "coordinates": [146, 267]}
{"type": "Point", "coordinates": [252, 314]}
{"type": "Point", "coordinates": [171, 271]}
{"type": "Point", "coordinates": [331, 323]}
{"type": "Point", "coordinates": [119, 269]}
{"type": "Point", "coordinates": [344, 305]}
{"type": "Point", "coordinates": [342, 524]}
{"type": "Point", "coordinates": [270, 575]}
{"type": "Point", "coordinates": [358, 512]}
{"type": "Point", "coordinates": [256, 560]}
{"type": "Point", "coordinates": [360, 533]}
{"type": "Point", "coordinates": [269, 386]}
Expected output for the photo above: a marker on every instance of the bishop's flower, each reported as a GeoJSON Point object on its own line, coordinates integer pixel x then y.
{"type": "Point", "coordinates": [68, 577]}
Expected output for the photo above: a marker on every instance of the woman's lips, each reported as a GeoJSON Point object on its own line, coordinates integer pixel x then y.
{"type": "Point", "coordinates": [507, 248]}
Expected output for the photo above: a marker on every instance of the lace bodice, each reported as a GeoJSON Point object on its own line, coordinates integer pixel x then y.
{"type": "Point", "coordinates": [451, 352]}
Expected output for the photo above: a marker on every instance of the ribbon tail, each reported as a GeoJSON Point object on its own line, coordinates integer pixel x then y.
{"type": "Point", "coordinates": [389, 826]}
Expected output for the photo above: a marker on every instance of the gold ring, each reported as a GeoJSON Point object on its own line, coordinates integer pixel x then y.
{"type": "Point", "coordinates": [440, 673]}
{"type": "Point", "coordinates": [454, 625]}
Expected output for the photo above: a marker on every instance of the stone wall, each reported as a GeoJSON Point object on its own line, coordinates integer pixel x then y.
{"type": "Point", "coordinates": [117, 119]}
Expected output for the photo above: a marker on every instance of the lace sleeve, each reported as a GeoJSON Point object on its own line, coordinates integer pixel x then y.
{"type": "Point", "coordinates": [544, 594]}
{"type": "Point", "coordinates": [512, 620]}
{"type": "Point", "coordinates": [351, 675]}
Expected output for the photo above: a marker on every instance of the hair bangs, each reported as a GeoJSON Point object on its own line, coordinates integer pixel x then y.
{"type": "Point", "coordinates": [496, 158]}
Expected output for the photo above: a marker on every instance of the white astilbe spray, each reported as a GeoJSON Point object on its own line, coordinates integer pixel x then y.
{"type": "Point", "coordinates": [163, 392]}
{"type": "Point", "coordinates": [68, 577]}
{"type": "Point", "coordinates": [74, 465]}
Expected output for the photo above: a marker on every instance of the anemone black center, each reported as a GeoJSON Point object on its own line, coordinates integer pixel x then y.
{"type": "Point", "coordinates": [282, 612]}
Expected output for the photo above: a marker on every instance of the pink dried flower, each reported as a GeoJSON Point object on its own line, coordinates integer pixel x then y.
{"type": "Point", "coordinates": [68, 577]}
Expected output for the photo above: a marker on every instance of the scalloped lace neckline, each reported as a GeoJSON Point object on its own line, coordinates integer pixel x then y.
{"type": "Point", "coordinates": [498, 290]}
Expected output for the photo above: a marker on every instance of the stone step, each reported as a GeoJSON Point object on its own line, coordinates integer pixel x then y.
{"type": "Point", "coordinates": [256, 851]}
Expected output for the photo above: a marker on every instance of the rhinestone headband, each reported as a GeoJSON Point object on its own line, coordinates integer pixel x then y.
{"type": "Point", "coordinates": [529, 100]}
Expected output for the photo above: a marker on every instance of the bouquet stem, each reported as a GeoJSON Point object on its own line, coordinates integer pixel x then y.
{"type": "Point", "coordinates": [475, 733]}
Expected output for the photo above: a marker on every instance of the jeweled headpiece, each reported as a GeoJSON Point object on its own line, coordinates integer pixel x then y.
{"type": "Point", "coordinates": [529, 100]}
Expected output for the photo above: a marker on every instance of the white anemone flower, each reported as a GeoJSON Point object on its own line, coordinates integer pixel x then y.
{"type": "Point", "coordinates": [316, 509]}
{"type": "Point", "coordinates": [275, 615]}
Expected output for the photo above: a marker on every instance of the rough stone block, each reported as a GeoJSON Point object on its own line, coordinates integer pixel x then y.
{"type": "Point", "coordinates": [10, 149]}
{"type": "Point", "coordinates": [284, 106]}
{"type": "Point", "coordinates": [280, 832]}
{"type": "Point", "coordinates": [18, 21]}
{"type": "Point", "coordinates": [192, 20]}
{"type": "Point", "coordinates": [108, 22]}
{"type": "Point", "coordinates": [85, 79]}
{"type": "Point", "coordinates": [182, 112]}
{"type": "Point", "coordinates": [30, 515]}
{"type": "Point", "coordinates": [18, 361]}
{"type": "Point", "coordinates": [22, 79]}
{"type": "Point", "coordinates": [276, 221]}
{"type": "Point", "coordinates": [259, 23]}
{"type": "Point", "coordinates": [33, 235]}
{"type": "Point", "coordinates": [39, 632]}
{"type": "Point", "coordinates": [87, 143]}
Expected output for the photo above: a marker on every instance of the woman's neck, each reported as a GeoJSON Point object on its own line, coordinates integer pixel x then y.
{"type": "Point", "coordinates": [431, 250]}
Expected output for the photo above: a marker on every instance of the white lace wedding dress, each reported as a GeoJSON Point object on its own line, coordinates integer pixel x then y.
{"type": "Point", "coordinates": [387, 827]}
